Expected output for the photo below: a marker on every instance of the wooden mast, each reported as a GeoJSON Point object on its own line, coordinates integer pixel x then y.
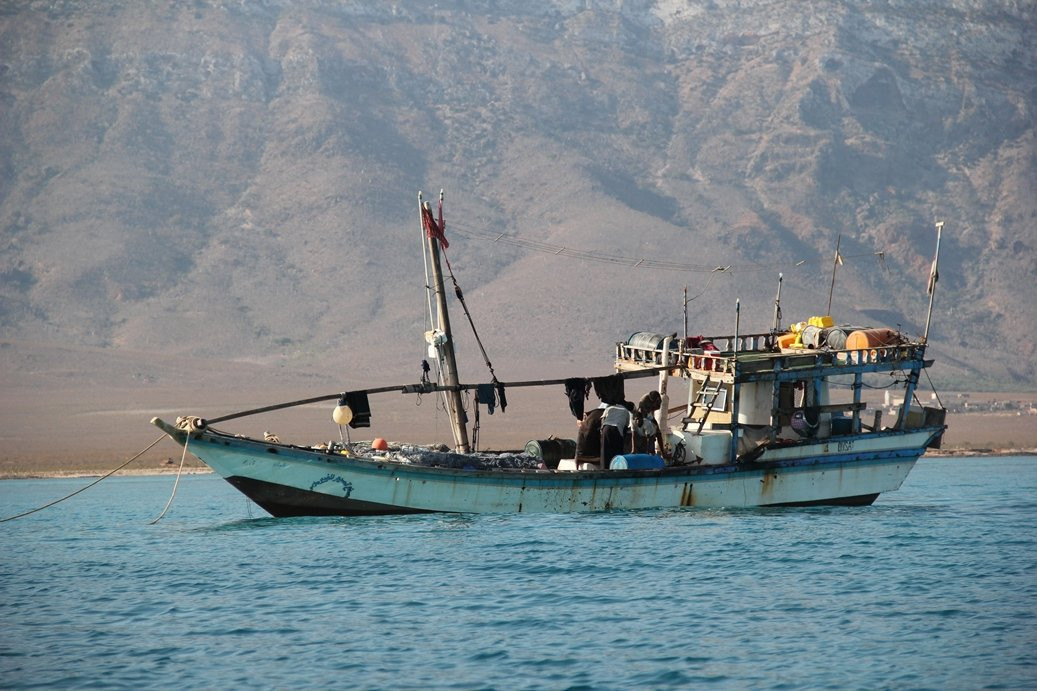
{"type": "Point", "coordinates": [455, 408]}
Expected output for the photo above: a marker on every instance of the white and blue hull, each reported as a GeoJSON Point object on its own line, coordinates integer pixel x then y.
{"type": "Point", "coordinates": [287, 481]}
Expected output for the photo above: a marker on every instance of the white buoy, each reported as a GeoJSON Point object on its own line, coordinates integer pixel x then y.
{"type": "Point", "coordinates": [342, 415]}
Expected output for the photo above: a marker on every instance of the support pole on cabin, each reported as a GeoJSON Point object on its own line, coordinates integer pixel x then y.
{"type": "Point", "coordinates": [909, 392]}
{"type": "Point", "coordinates": [858, 384]}
{"type": "Point", "coordinates": [776, 401]}
{"type": "Point", "coordinates": [735, 386]}
{"type": "Point", "coordinates": [664, 378]}
{"type": "Point", "coordinates": [777, 308]}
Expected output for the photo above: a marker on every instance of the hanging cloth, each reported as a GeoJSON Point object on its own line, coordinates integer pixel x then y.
{"type": "Point", "coordinates": [484, 393]}
{"type": "Point", "coordinates": [576, 390]}
{"type": "Point", "coordinates": [609, 389]}
{"type": "Point", "coordinates": [501, 398]}
{"type": "Point", "coordinates": [361, 407]}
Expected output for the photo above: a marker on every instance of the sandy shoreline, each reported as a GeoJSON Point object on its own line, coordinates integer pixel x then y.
{"type": "Point", "coordinates": [969, 453]}
{"type": "Point", "coordinates": [45, 474]}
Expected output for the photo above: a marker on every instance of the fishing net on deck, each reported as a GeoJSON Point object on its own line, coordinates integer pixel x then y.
{"type": "Point", "coordinates": [435, 457]}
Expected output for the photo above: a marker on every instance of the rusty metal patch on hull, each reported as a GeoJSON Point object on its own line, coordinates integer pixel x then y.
{"type": "Point", "coordinates": [688, 495]}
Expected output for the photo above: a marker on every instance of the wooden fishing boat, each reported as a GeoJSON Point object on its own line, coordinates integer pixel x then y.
{"type": "Point", "coordinates": [762, 425]}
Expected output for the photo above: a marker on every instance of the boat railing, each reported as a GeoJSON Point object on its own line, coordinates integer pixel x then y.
{"type": "Point", "coordinates": [896, 353]}
{"type": "Point", "coordinates": [873, 358]}
{"type": "Point", "coordinates": [752, 343]}
{"type": "Point", "coordinates": [682, 356]}
{"type": "Point", "coordinates": [758, 353]}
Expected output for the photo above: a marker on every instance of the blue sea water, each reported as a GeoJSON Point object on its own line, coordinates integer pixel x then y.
{"type": "Point", "coordinates": [934, 587]}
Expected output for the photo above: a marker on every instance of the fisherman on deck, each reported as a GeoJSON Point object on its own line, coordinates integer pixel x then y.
{"type": "Point", "coordinates": [616, 431]}
{"type": "Point", "coordinates": [646, 431]}
{"type": "Point", "coordinates": [588, 438]}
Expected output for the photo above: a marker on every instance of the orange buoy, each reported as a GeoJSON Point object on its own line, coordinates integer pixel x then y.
{"type": "Point", "coordinates": [380, 444]}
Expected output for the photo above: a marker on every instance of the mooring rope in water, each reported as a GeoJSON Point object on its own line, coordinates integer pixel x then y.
{"type": "Point", "coordinates": [179, 471]}
{"type": "Point", "coordinates": [82, 489]}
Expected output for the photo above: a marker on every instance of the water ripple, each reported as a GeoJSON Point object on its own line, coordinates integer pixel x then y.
{"type": "Point", "coordinates": [932, 587]}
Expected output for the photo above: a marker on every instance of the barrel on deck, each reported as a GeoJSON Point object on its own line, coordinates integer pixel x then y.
{"type": "Point", "coordinates": [811, 336]}
{"type": "Point", "coordinates": [552, 450]}
{"type": "Point", "coordinates": [646, 340]}
{"type": "Point", "coordinates": [835, 337]}
{"type": "Point", "coordinates": [871, 338]}
{"type": "Point", "coordinates": [637, 461]}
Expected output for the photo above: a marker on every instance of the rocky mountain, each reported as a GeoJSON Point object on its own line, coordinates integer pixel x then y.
{"type": "Point", "coordinates": [233, 184]}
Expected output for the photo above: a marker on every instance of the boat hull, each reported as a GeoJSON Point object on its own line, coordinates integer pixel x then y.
{"type": "Point", "coordinates": [291, 481]}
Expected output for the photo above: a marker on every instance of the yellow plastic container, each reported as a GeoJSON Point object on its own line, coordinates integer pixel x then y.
{"type": "Point", "coordinates": [821, 322]}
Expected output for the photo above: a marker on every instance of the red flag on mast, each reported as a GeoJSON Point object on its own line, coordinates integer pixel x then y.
{"type": "Point", "coordinates": [434, 229]}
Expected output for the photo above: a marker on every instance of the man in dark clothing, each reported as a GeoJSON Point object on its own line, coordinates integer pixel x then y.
{"type": "Point", "coordinates": [588, 439]}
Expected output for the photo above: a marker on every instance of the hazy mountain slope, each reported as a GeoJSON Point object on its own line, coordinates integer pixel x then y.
{"type": "Point", "coordinates": [234, 181]}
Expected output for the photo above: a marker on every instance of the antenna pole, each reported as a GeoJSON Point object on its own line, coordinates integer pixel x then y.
{"type": "Point", "coordinates": [685, 312]}
{"type": "Point", "coordinates": [777, 308]}
{"type": "Point", "coordinates": [934, 276]}
{"type": "Point", "coordinates": [738, 322]}
{"type": "Point", "coordinates": [835, 263]}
